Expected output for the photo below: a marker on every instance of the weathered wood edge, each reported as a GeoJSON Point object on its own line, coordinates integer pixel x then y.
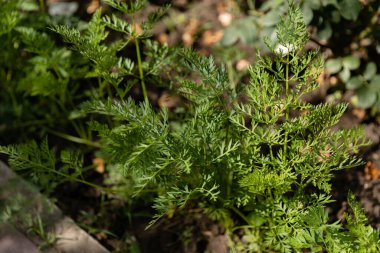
{"type": "Point", "coordinates": [69, 237]}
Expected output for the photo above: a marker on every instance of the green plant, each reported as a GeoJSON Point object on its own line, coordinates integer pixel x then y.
{"type": "Point", "coordinates": [325, 16]}
{"type": "Point", "coordinates": [260, 160]}
{"type": "Point", "coordinates": [43, 83]}
{"type": "Point", "coordinates": [343, 65]}
{"type": "Point", "coordinates": [330, 21]}
{"type": "Point", "coordinates": [113, 71]}
{"type": "Point", "coordinates": [255, 157]}
{"type": "Point", "coordinates": [36, 72]}
{"type": "Point", "coordinates": [366, 84]}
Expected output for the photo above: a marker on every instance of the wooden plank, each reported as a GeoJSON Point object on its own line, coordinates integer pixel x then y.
{"type": "Point", "coordinates": [12, 241]}
{"type": "Point", "coordinates": [29, 207]}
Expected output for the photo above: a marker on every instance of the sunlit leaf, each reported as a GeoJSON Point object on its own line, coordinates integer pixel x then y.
{"type": "Point", "coordinates": [351, 62]}
{"type": "Point", "coordinates": [334, 65]}
{"type": "Point", "coordinates": [349, 9]}
{"type": "Point", "coordinates": [354, 83]}
{"type": "Point", "coordinates": [366, 97]}
{"type": "Point", "coordinates": [345, 74]}
{"type": "Point", "coordinates": [370, 70]}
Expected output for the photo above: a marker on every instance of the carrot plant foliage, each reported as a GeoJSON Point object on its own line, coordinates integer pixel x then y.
{"type": "Point", "coordinates": [256, 158]}
{"type": "Point", "coordinates": [262, 155]}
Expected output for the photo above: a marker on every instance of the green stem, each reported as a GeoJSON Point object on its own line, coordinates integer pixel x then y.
{"type": "Point", "coordinates": [237, 211]}
{"type": "Point", "coordinates": [371, 25]}
{"type": "Point", "coordinates": [251, 4]}
{"type": "Point", "coordinates": [141, 71]}
{"type": "Point", "coordinates": [229, 183]}
{"type": "Point", "coordinates": [230, 72]}
{"type": "Point", "coordinates": [80, 131]}
{"type": "Point", "coordinates": [100, 88]}
{"type": "Point", "coordinates": [42, 6]}
{"type": "Point", "coordinates": [75, 139]}
{"type": "Point", "coordinates": [271, 152]}
{"type": "Point", "coordinates": [68, 177]}
{"type": "Point", "coordinates": [287, 108]}
{"type": "Point", "coordinates": [10, 89]}
{"type": "Point", "coordinates": [78, 180]}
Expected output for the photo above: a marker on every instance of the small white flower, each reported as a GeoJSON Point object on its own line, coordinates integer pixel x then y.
{"type": "Point", "coordinates": [283, 50]}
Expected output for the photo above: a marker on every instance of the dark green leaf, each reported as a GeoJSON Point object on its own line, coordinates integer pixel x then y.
{"type": "Point", "coordinates": [314, 4]}
{"type": "Point", "coordinates": [351, 62]}
{"type": "Point", "coordinates": [378, 48]}
{"type": "Point", "coordinates": [330, 2]}
{"type": "Point", "coordinates": [334, 65]}
{"type": "Point", "coordinates": [256, 219]}
{"type": "Point", "coordinates": [366, 97]}
{"type": "Point", "coordinates": [271, 18]}
{"type": "Point", "coordinates": [345, 75]}
{"type": "Point", "coordinates": [307, 13]}
{"type": "Point", "coordinates": [375, 83]}
{"type": "Point", "coordinates": [370, 70]}
{"type": "Point", "coordinates": [349, 9]}
{"type": "Point", "coordinates": [243, 30]}
{"type": "Point", "coordinates": [325, 32]}
{"type": "Point", "coordinates": [354, 83]}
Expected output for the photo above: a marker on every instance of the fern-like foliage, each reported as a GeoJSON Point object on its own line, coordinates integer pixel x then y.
{"type": "Point", "coordinates": [35, 72]}
{"type": "Point", "coordinates": [264, 155]}
{"type": "Point", "coordinates": [39, 164]}
{"type": "Point", "coordinates": [115, 71]}
{"type": "Point", "coordinates": [88, 44]}
{"type": "Point", "coordinates": [260, 158]}
{"type": "Point", "coordinates": [9, 15]}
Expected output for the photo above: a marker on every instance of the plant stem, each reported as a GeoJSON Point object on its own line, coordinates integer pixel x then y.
{"type": "Point", "coordinates": [251, 4]}
{"type": "Point", "coordinates": [42, 6]}
{"type": "Point", "coordinates": [99, 187]}
{"type": "Point", "coordinates": [229, 183]}
{"type": "Point", "coordinates": [287, 108]}
{"type": "Point", "coordinates": [230, 72]}
{"type": "Point", "coordinates": [141, 71]}
{"type": "Point", "coordinates": [237, 211]}
{"type": "Point", "coordinates": [75, 139]}
{"type": "Point", "coordinates": [370, 26]}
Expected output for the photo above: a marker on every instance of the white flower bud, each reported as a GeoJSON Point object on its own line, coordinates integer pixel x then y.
{"type": "Point", "coordinates": [283, 50]}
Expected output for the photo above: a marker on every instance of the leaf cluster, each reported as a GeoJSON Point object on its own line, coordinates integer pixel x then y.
{"type": "Point", "coordinates": [259, 159]}
{"type": "Point", "coordinates": [118, 73]}
{"type": "Point", "coordinates": [263, 156]}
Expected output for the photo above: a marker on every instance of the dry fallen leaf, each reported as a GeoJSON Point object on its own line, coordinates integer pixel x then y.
{"type": "Point", "coordinates": [371, 172]}
{"type": "Point", "coordinates": [138, 29]}
{"type": "Point", "coordinates": [366, 42]}
{"type": "Point", "coordinates": [209, 38]}
{"type": "Point", "coordinates": [242, 65]}
{"type": "Point", "coordinates": [180, 2]}
{"type": "Point", "coordinates": [190, 31]}
{"type": "Point", "coordinates": [163, 38]}
{"type": "Point", "coordinates": [333, 80]}
{"type": "Point", "coordinates": [321, 79]}
{"type": "Point", "coordinates": [168, 101]}
{"type": "Point", "coordinates": [101, 236]}
{"type": "Point", "coordinates": [342, 211]}
{"type": "Point", "coordinates": [93, 6]}
{"type": "Point", "coordinates": [359, 113]}
{"type": "Point", "coordinates": [99, 164]}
